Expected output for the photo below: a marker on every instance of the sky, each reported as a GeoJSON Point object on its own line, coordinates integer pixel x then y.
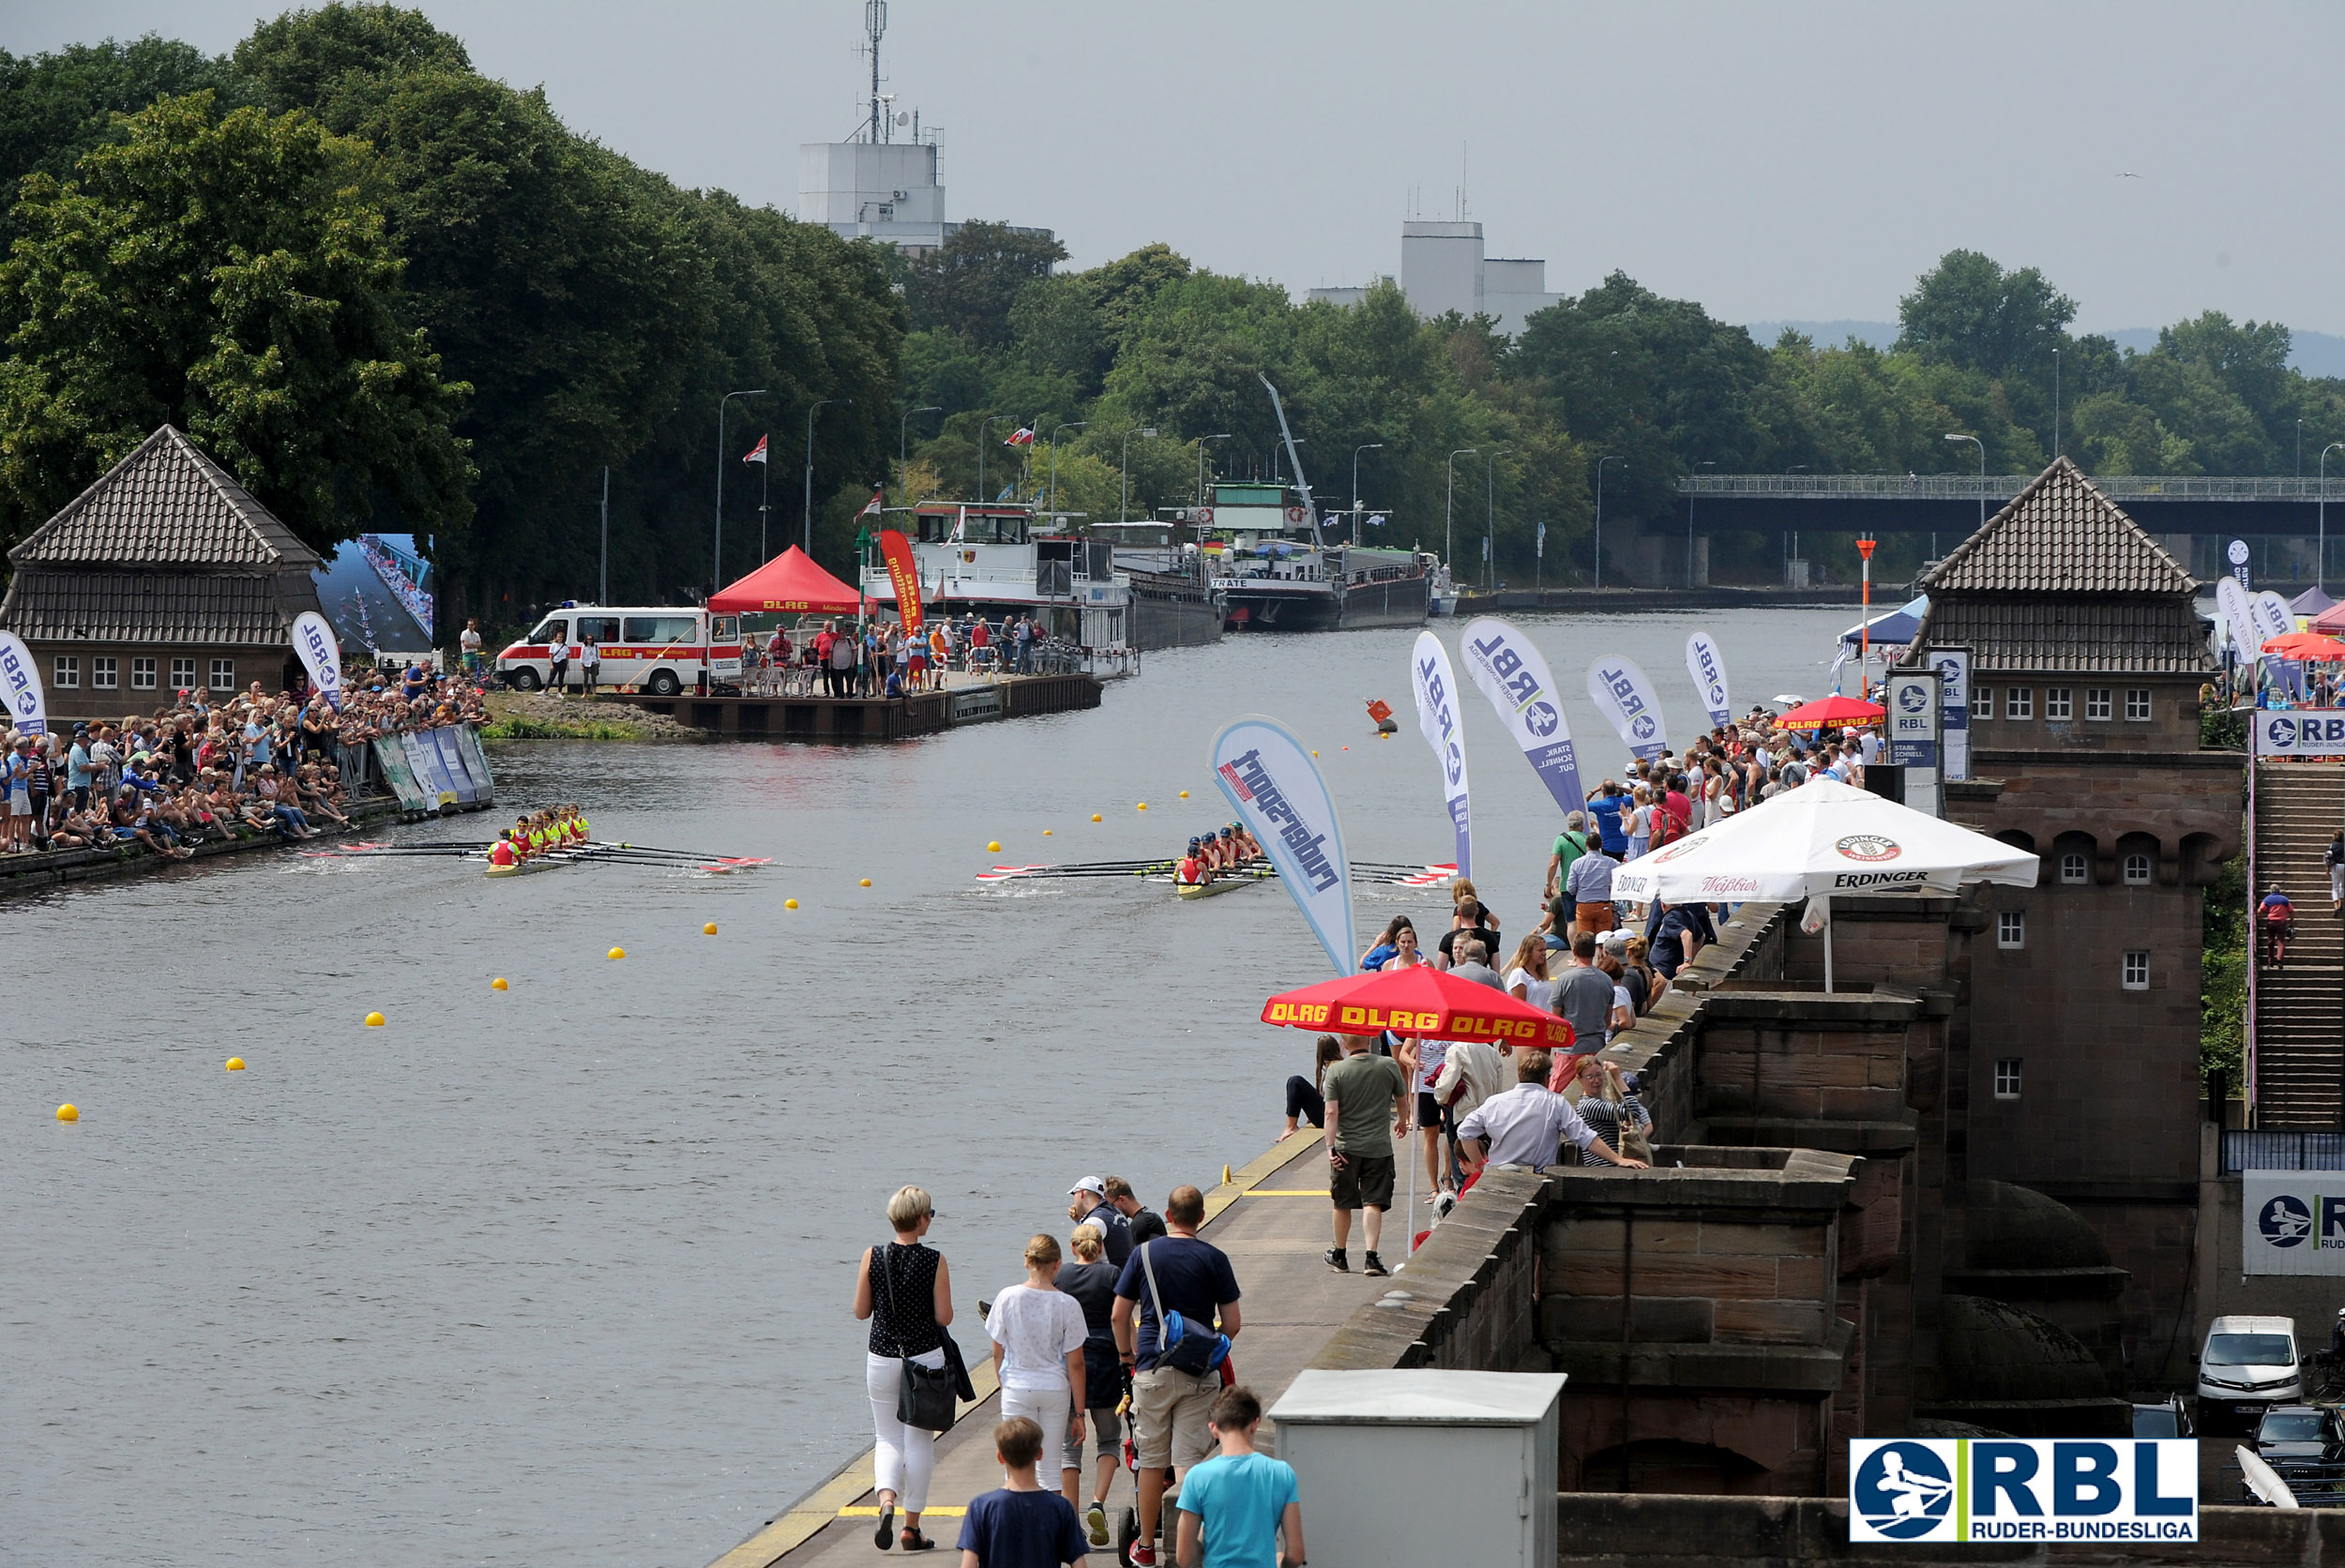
{"type": "Point", "coordinates": [1772, 161]}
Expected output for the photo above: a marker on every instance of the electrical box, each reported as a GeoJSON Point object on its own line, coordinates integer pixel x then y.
{"type": "Point", "coordinates": [1410, 1467]}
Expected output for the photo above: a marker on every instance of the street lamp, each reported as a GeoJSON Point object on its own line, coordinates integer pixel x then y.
{"type": "Point", "coordinates": [719, 576]}
{"type": "Point", "coordinates": [2320, 568]}
{"type": "Point", "coordinates": [903, 465]}
{"type": "Point", "coordinates": [1599, 512]}
{"type": "Point", "coordinates": [1299, 441]}
{"type": "Point", "coordinates": [807, 526]}
{"type": "Point", "coordinates": [1123, 502]}
{"type": "Point", "coordinates": [1365, 447]}
{"type": "Point", "coordinates": [1448, 506]}
{"type": "Point", "coordinates": [1489, 514]}
{"type": "Point", "coordinates": [984, 425]}
{"type": "Point", "coordinates": [1690, 527]}
{"type": "Point", "coordinates": [1200, 462]}
{"type": "Point", "coordinates": [1791, 539]}
{"type": "Point", "coordinates": [1074, 425]}
{"type": "Point", "coordinates": [1982, 474]}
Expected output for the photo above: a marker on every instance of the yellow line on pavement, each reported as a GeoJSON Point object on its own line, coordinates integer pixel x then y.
{"type": "Point", "coordinates": [1289, 1192]}
{"type": "Point", "coordinates": [870, 1511]}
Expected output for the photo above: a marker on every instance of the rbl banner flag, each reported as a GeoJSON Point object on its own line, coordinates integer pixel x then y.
{"type": "Point", "coordinates": [321, 655]}
{"type": "Point", "coordinates": [19, 685]}
{"type": "Point", "coordinates": [1708, 667]}
{"type": "Point", "coordinates": [904, 574]}
{"type": "Point", "coordinates": [1622, 694]}
{"type": "Point", "coordinates": [1437, 716]}
{"type": "Point", "coordinates": [1512, 674]}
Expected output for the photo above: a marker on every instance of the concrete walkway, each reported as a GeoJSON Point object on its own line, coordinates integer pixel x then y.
{"type": "Point", "coordinates": [1271, 1218]}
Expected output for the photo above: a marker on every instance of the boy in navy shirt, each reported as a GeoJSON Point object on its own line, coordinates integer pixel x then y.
{"type": "Point", "coordinates": [1020, 1526]}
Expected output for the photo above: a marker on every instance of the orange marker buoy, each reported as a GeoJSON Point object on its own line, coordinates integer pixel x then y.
{"type": "Point", "coordinates": [498, 984]}
{"type": "Point", "coordinates": [1046, 833]}
{"type": "Point", "coordinates": [1095, 816]}
{"type": "Point", "coordinates": [235, 1064]}
{"type": "Point", "coordinates": [865, 882]}
{"type": "Point", "coordinates": [709, 929]}
{"type": "Point", "coordinates": [1184, 794]}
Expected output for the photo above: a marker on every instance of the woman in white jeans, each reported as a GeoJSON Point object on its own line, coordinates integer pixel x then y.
{"type": "Point", "coordinates": [1038, 1331]}
{"type": "Point", "coordinates": [913, 1278]}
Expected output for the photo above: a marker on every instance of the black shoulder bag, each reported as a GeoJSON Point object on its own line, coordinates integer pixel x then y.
{"type": "Point", "coordinates": [925, 1397]}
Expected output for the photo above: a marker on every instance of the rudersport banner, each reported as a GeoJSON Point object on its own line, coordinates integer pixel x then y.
{"type": "Point", "coordinates": [1437, 715]}
{"type": "Point", "coordinates": [1270, 779]}
{"type": "Point", "coordinates": [321, 656]}
{"type": "Point", "coordinates": [1503, 662]}
{"type": "Point", "coordinates": [1622, 694]}
{"type": "Point", "coordinates": [1707, 666]}
{"type": "Point", "coordinates": [904, 574]}
{"type": "Point", "coordinates": [20, 682]}
{"type": "Point", "coordinates": [2239, 617]}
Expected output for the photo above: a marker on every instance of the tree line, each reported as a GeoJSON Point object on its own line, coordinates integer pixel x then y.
{"type": "Point", "coordinates": [392, 293]}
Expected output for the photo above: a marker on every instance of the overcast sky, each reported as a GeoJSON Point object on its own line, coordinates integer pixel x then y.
{"type": "Point", "coordinates": [1784, 160]}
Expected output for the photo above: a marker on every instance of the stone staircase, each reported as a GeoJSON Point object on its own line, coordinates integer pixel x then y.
{"type": "Point", "coordinates": [2300, 1010]}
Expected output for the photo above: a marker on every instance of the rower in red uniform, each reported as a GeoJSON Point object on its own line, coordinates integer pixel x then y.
{"type": "Point", "coordinates": [1192, 869]}
{"type": "Point", "coordinates": [501, 853]}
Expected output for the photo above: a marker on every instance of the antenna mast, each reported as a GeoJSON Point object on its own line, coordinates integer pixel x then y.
{"type": "Point", "coordinates": [874, 24]}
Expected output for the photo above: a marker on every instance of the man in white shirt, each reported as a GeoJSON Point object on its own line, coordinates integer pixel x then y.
{"type": "Point", "coordinates": [1470, 1075]}
{"type": "Point", "coordinates": [1524, 1128]}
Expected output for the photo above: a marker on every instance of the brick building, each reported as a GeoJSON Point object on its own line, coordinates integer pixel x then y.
{"type": "Point", "coordinates": [165, 574]}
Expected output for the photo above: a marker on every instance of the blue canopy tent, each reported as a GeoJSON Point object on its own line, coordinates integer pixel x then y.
{"type": "Point", "coordinates": [2310, 602]}
{"type": "Point", "coordinates": [1895, 627]}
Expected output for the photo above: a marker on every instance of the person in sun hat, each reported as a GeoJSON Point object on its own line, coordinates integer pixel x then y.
{"type": "Point", "coordinates": [1087, 1204]}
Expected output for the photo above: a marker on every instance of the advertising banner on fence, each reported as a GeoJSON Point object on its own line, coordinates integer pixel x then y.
{"type": "Point", "coordinates": [1921, 1491]}
{"type": "Point", "coordinates": [2293, 1222]}
{"type": "Point", "coordinates": [903, 574]}
{"type": "Point", "coordinates": [1624, 695]}
{"type": "Point", "coordinates": [1707, 666]}
{"type": "Point", "coordinates": [2238, 618]}
{"type": "Point", "coordinates": [1270, 779]}
{"type": "Point", "coordinates": [2300, 732]}
{"type": "Point", "coordinates": [1502, 661]}
{"type": "Point", "coordinates": [19, 685]}
{"type": "Point", "coordinates": [1439, 717]}
{"type": "Point", "coordinates": [321, 655]}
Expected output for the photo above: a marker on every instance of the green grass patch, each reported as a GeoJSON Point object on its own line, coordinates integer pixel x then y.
{"type": "Point", "coordinates": [517, 728]}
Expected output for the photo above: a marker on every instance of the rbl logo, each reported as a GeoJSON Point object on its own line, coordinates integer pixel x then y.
{"type": "Point", "coordinates": [1914, 699]}
{"type": "Point", "coordinates": [1517, 682]}
{"type": "Point", "coordinates": [2285, 1221]}
{"type": "Point", "coordinates": [2283, 732]}
{"type": "Point", "coordinates": [1642, 727]}
{"type": "Point", "coordinates": [1541, 719]}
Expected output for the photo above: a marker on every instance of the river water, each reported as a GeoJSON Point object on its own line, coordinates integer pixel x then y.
{"type": "Point", "coordinates": [559, 1273]}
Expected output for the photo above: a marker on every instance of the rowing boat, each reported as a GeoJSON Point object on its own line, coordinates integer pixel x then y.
{"type": "Point", "coordinates": [1220, 884]}
{"type": "Point", "coordinates": [524, 868]}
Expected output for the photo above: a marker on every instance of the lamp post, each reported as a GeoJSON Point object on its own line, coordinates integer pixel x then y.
{"type": "Point", "coordinates": [1791, 539]}
{"type": "Point", "coordinates": [1489, 514]}
{"type": "Point", "coordinates": [1614, 456]}
{"type": "Point", "coordinates": [1123, 502]}
{"type": "Point", "coordinates": [2320, 567]}
{"type": "Point", "coordinates": [1073, 425]}
{"type": "Point", "coordinates": [1690, 528]}
{"type": "Point", "coordinates": [1982, 474]}
{"type": "Point", "coordinates": [1365, 447]}
{"type": "Point", "coordinates": [1448, 507]}
{"type": "Point", "coordinates": [903, 464]}
{"type": "Point", "coordinates": [806, 525]}
{"type": "Point", "coordinates": [1200, 462]}
{"type": "Point", "coordinates": [718, 576]}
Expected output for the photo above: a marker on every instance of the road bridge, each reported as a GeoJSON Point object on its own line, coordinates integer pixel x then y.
{"type": "Point", "coordinates": [1950, 504]}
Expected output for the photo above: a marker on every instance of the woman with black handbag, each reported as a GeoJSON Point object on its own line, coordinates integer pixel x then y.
{"type": "Point", "coordinates": [905, 1291]}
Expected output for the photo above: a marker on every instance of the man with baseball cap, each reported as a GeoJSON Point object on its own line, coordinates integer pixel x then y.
{"type": "Point", "coordinates": [1087, 1204]}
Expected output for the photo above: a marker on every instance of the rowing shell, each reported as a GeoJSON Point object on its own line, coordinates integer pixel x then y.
{"type": "Point", "coordinates": [1220, 884]}
{"type": "Point", "coordinates": [524, 868]}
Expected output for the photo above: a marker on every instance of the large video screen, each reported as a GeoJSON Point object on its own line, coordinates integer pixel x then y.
{"type": "Point", "coordinates": [377, 591]}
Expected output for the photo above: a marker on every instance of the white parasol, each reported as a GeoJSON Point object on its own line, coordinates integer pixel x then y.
{"type": "Point", "coordinates": [1821, 838]}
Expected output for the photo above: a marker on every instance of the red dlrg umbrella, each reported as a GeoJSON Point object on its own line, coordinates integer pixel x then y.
{"type": "Point", "coordinates": [1419, 1000]}
{"type": "Point", "coordinates": [1831, 710]}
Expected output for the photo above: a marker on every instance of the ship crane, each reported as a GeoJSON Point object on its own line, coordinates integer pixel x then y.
{"type": "Point", "coordinates": [1310, 507]}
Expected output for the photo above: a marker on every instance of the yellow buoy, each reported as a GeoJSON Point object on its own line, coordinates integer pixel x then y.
{"type": "Point", "coordinates": [498, 984]}
{"type": "Point", "coordinates": [788, 903]}
{"type": "Point", "coordinates": [994, 847]}
{"type": "Point", "coordinates": [235, 1064]}
{"type": "Point", "coordinates": [67, 1113]}
{"type": "Point", "coordinates": [1095, 816]}
{"type": "Point", "coordinates": [618, 953]}
{"type": "Point", "coordinates": [1184, 794]}
{"type": "Point", "coordinates": [865, 882]}
{"type": "Point", "coordinates": [1314, 753]}
{"type": "Point", "coordinates": [1046, 833]}
{"type": "Point", "coordinates": [374, 1020]}
{"type": "Point", "coordinates": [1143, 806]}
{"type": "Point", "coordinates": [709, 929]}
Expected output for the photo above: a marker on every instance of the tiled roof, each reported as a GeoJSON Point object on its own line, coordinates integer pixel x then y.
{"type": "Point", "coordinates": [51, 605]}
{"type": "Point", "coordinates": [2141, 635]}
{"type": "Point", "coordinates": [165, 505]}
{"type": "Point", "coordinates": [2059, 535]}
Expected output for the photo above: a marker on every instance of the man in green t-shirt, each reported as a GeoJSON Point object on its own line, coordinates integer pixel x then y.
{"type": "Point", "coordinates": [1570, 845]}
{"type": "Point", "coordinates": [1361, 1091]}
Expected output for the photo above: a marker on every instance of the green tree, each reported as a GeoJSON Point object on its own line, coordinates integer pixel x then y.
{"type": "Point", "coordinates": [1969, 312]}
{"type": "Point", "coordinates": [229, 274]}
{"type": "Point", "coordinates": [969, 284]}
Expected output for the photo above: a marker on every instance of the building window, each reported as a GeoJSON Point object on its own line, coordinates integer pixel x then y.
{"type": "Point", "coordinates": [183, 674]}
{"type": "Point", "coordinates": [2059, 704]}
{"type": "Point", "coordinates": [2136, 976]}
{"type": "Point", "coordinates": [101, 672]}
{"type": "Point", "coordinates": [2019, 703]}
{"type": "Point", "coordinates": [2072, 868]}
{"type": "Point", "coordinates": [2007, 1078]}
{"type": "Point", "coordinates": [69, 671]}
{"type": "Point", "coordinates": [2137, 870]}
{"type": "Point", "coordinates": [2138, 703]}
{"type": "Point", "coordinates": [2011, 928]}
{"type": "Point", "coordinates": [223, 674]}
{"type": "Point", "coordinates": [1982, 702]}
{"type": "Point", "coordinates": [142, 674]}
{"type": "Point", "coordinates": [2097, 703]}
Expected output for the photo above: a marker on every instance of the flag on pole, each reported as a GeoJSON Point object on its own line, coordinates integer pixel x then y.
{"type": "Point", "coordinates": [1375, 519]}
{"type": "Point", "coordinates": [1022, 436]}
{"type": "Point", "coordinates": [757, 453]}
{"type": "Point", "coordinates": [871, 507]}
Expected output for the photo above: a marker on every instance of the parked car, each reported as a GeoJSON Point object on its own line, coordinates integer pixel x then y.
{"type": "Point", "coordinates": [2246, 1366]}
{"type": "Point", "coordinates": [2169, 1420]}
{"type": "Point", "coordinates": [2292, 1436]}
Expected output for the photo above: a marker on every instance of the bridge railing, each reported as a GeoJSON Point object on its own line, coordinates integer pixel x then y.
{"type": "Point", "coordinates": [2003, 487]}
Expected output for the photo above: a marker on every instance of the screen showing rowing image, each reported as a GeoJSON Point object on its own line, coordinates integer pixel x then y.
{"type": "Point", "coordinates": [377, 591]}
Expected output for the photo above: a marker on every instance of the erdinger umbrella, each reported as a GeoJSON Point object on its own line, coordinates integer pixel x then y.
{"type": "Point", "coordinates": [1831, 710]}
{"type": "Point", "coordinates": [1821, 838]}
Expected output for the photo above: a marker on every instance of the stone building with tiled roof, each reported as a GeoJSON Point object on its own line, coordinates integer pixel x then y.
{"type": "Point", "coordinates": [164, 574]}
{"type": "Point", "coordinates": [2078, 1074]}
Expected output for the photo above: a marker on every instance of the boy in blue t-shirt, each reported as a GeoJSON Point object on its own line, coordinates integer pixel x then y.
{"type": "Point", "coordinates": [1020, 1526]}
{"type": "Point", "coordinates": [1235, 1505]}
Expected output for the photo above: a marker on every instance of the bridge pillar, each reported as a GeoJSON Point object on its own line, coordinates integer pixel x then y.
{"type": "Point", "coordinates": [1701, 573]}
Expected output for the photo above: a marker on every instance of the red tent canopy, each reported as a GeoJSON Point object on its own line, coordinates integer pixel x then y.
{"type": "Point", "coordinates": [791, 583]}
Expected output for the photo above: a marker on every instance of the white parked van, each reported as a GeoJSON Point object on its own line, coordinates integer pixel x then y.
{"type": "Point", "coordinates": [2247, 1364]}
{"type": "Point", "coordinates": [663, 650]}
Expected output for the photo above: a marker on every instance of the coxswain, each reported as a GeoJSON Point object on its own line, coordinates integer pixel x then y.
{"type": "Point", "coordinates": [1193, 868]}
{"type": "Point", "coordinates": [502, 851]}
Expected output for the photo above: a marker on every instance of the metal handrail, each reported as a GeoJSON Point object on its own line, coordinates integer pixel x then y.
{"type": "Point", "coordinates": [2003, 487]}
{"type": "Point", "coordinates": [2271, 1149]}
